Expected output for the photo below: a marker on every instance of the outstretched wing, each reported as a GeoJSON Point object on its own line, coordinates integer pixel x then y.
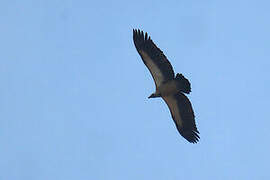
{"type": "Point", "coordinates": [183, 116]}
{"type": "Point", "coordinates": [157, 63]}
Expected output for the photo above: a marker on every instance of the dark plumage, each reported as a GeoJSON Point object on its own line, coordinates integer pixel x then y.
{"type": "Point", "coordinates": [168, 86]}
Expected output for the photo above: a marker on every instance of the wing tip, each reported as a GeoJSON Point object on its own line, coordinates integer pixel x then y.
{"type": "Point", "coordinates": [191, 136]}
{"type": "Point", "coordinates": [140, 35]}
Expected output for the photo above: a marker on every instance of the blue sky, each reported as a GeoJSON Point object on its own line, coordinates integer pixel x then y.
{"type": "Point", "coordinates": [74, 90]}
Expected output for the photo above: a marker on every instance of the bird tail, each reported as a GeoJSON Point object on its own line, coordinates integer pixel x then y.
{"type": "Point", "coordinates": [182, 83]}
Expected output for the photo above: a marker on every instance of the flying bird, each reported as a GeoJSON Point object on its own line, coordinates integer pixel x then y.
{"type": "Point", "coordinates": [169, 87]}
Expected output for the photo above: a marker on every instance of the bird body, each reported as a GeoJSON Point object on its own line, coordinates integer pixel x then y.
{"type": "Point", "coordinates": [168, 86]}
{"type": "Point", "coordinates": [166, 89]}
{"type": "Point", "coordinates": [172, 87]}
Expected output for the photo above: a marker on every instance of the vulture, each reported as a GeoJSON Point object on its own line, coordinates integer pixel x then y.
{"type": "Point", "coordinates": [169, 87]}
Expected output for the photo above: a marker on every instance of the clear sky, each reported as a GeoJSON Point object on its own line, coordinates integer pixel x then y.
{"type": "Point", "coordinates": [74, 90]}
